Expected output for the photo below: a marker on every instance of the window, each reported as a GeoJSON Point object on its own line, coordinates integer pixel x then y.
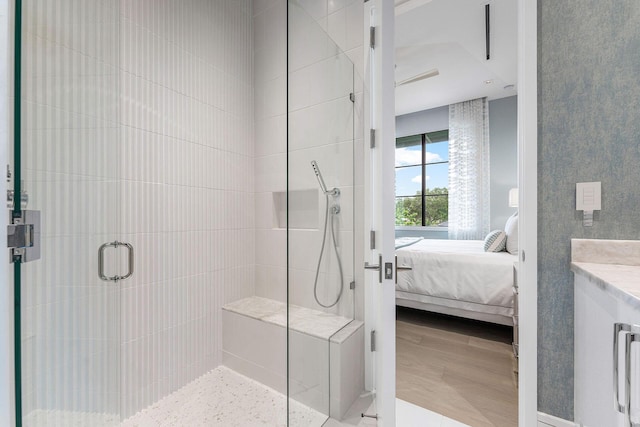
{"type": "Point", "coordinates": [422, 179]}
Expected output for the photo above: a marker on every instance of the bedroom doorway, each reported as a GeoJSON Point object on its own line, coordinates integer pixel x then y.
{"type": "Point", "coordinates": [456, 346]}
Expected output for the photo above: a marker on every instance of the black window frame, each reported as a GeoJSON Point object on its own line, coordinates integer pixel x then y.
{"type": "Point", "coordinates": [425, 139]}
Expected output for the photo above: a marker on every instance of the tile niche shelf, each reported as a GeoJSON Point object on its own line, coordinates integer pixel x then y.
{"type": "Point", "coordinates": [303, 209]}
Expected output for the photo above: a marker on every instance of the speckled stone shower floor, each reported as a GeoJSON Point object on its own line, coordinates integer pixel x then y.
{"type": "Point", "coordinates": [219, 398]}
{"type": "Point", "coordinates": [223, 397]}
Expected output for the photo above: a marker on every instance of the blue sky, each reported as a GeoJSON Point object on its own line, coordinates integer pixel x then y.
{"type": "Point", "coordinates": [408, 179]}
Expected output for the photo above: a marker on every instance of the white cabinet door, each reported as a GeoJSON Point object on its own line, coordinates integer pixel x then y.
{"type": "Point", "coordinates": [630, 315]}
{"type": "Point", "coordinates": [595, 315]}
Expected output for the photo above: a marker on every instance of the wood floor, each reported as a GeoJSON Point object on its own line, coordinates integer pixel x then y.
{"type": "Point", "coordinates": [459, 368]}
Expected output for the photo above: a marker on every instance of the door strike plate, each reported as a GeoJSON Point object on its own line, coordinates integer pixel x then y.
{"type": "Point", "coordinates": [388, 270]}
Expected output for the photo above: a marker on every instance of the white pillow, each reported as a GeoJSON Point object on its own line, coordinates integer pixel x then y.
{"type": "Point", "coordinates": [495, 241]}
{"type": "Point", "coordinates": [511, 229]}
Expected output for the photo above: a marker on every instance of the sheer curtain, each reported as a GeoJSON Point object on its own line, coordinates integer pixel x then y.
{"type": "Point", "coordinates": [469, 169]}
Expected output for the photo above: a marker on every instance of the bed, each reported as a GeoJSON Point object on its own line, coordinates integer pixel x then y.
{"type": "Point", "coordinates": [456, 277]}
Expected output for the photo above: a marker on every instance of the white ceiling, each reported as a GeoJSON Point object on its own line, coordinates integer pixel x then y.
{"type": "Point", "coordinates": [449, 35]}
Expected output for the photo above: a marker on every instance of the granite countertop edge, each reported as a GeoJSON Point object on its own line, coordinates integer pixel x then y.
{"type": "Point", "coordinates": [622, 281]}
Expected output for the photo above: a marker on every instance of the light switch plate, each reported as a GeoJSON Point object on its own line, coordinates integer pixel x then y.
{"type": "Point", "coordinates": [588, 196]}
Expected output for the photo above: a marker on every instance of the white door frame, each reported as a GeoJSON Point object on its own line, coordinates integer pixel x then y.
{"type": "Point", "coordinates": [528, 230]}
{"type": "Point", "coordinates": [528, 210]}
{"type": "Point", "coordinates": [379, 208]}
{"type": "Point", "coordinates": [385, 153]}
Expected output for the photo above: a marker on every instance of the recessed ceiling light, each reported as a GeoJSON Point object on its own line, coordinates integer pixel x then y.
{"type": "Point", "coordinates": [509, 87]}
{"type": "Point", "coordinates": [488, 82]}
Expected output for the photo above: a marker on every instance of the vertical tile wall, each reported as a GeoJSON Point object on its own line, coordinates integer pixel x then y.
{"type": "Point", "coordinates": [6, 292]}
{"type": "Point", "coordinates": [138, 126]}
{"type": "Point", "coordinates": [187, 186]}
{"type": "Point", "coordinates": [5, 74]}
{"type": "Point", "coordinates": [270, 112]}
{"type": "Point", "coordinates": [70, 146]}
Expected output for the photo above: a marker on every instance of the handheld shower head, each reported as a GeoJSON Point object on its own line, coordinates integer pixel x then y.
{"type": "Point", "coordinates": [316, 169]}
{"type": "Point", "coordinates": [323, 186]}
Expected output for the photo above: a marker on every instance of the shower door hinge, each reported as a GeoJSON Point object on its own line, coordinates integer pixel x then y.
{"type": "Point", "coordinates": [11, 203]}
{"type": "Point", "coordinates": [352, 97]}
{"type": "Point", "coordinates": [372, 239]}
{"type": "Point", "coordinates": [23, 236]}
{"type": "Point", "coordinates": [352, 285]}
{"type": "Point", "coordinates": [372, 138]}
{"type": "Point", "coordinates": [373, 340]}
{"type": "Point", "coordinates": [372, 37]}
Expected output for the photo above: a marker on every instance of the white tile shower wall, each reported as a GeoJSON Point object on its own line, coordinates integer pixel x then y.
{"type": "Point", "coordinates": [321, 126]}
{"type": "Point", "coordinates": [187, 186]}
{"type": "Point", "coordinates": [270, 68]}
{"type": "Point", "coordinates": [70, 113]}
{"type": "Point", "coordinates": [6, 333]}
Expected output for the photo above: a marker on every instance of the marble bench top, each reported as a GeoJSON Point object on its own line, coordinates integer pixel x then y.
{"type": "Point", "coordinates": [613, 265]}
{"type": "Point", "coordinates": [301, 319]}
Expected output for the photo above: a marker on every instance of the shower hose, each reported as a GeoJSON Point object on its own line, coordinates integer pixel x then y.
{"type": "Point", "coordinates": [334, 211]}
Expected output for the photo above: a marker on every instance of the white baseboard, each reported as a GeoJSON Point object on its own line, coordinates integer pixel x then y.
{"type": "Point", "coordinates": [545, 420]}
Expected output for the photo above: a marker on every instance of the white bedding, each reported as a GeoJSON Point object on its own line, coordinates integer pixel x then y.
{"type": "Point", "coordinates": [457, 274]}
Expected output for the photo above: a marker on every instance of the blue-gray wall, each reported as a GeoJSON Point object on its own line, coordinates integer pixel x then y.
{"type": "Point", "coordinates": [422, 121]}
{"type": "Point", "coordinates": [503, 155]}
{"type": "Point", "coordinates": [589, 130]}
{"type": "Point", "coordinates": [503, 161]}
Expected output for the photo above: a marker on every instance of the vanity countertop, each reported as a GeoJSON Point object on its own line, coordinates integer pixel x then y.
{"type": "Point", "coordinates": [613, 265]}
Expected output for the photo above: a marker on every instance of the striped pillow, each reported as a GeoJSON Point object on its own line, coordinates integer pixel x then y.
{"type": "Point", "coordinates": [496, 241]}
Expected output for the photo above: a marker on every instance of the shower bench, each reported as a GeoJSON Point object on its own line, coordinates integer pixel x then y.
{"type": "Point", "coordinates": [326, 351]}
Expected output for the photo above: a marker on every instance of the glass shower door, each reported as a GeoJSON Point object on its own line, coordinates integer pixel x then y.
{"type": "Point", "coordinates": [325, 339]}
{"type": "Point", "coordinates": [68, 159]}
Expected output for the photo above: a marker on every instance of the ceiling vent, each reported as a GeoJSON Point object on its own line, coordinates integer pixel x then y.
{"type": "Point", "coordinates": [427, 74]}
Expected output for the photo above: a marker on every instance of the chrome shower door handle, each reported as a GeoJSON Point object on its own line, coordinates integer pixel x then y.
{"type": "Point", "coordinates": [115, 278]}
{"type": "Point", "coordinates": [101, 263]}
{"type": "Point", "coordinates": [130, 250]}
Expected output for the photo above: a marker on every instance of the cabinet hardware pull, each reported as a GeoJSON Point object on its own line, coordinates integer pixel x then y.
{"type": "Point", "coordinates": [617, 328]}
{"type": "Point", "coordinates": [630, 338]}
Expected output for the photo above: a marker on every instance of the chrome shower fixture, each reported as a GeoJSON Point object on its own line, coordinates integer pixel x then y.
{"type": "Point", "coordinates": [334, 191]}
{"type": "Point", "coordinates": [330, 216]}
